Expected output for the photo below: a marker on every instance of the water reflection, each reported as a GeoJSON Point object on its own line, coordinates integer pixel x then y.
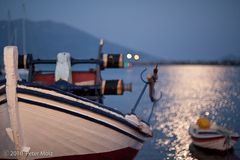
{"type": "Point", "coordinates": [190, 91]}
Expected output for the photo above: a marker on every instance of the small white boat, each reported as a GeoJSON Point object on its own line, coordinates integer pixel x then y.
{"type": "Point", "coordinates": [208, 135]}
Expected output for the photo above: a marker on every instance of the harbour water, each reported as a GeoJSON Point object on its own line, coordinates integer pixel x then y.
{"type": "Point", "coordinates": [187, 92]}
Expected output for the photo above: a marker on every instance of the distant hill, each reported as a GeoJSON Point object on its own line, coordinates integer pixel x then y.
{"type": "Point", "coordinates": [46, 38]}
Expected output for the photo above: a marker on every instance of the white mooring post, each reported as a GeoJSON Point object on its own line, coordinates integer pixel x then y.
{"type": "Point", "coordinates": [12, 76]}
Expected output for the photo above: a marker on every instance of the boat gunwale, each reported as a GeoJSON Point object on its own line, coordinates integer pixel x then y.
{"type": "Point", "coordinates": [51, 88]}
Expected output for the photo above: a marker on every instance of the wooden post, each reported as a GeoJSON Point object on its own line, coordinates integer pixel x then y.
{"type": "Point", "coordinates": [98, 72]}
{"type": "Point", "coordinates": [11, 69]}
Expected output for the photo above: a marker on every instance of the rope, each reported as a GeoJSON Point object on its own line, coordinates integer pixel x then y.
{"type": "Point", "coordinates": [139, 98]}
{"type": "Point", "coordinates": [155, 101]}
{"type": "Point", "coordinates": [227, 136]}
{"type": "Point", "coordinates": [141, 94]}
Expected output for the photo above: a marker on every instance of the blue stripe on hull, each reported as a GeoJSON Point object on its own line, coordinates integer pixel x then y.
{"type": "Point", "coordinates": [3, 101]}
{"type": "Point", "coordinates": [2, 81]}
{"type": "Point", "coordinates": [80, 116]}
{"type": "Point", "coordinates": [2, 90]}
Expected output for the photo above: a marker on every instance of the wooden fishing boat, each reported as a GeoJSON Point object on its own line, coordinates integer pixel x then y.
{"type": "Point", "coordinates": [207, 134]}
{"type": "Point", "coordinates": [61, 115]}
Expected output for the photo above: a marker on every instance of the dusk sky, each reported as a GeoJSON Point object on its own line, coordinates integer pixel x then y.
{"type": "Point", "coordinates": [175, 29]}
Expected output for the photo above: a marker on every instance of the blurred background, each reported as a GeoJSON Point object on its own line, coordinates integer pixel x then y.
{"type": "Point", "coordinates": [172, 30]}
{"type": "Point", "coordinates": [186, 36]}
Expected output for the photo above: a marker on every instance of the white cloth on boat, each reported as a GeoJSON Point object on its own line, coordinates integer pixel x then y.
{"type": "Point", "coordinates": [63, 67]}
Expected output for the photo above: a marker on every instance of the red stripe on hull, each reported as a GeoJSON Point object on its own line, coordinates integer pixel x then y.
{"type": "Point", "coordinates": [206, 139]}
{"type": "Point", "coordinates": [122, 154]}
{"type": "Point", "coordinates": [211, 139]}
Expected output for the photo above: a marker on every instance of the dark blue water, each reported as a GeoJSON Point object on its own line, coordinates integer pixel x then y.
{"type": "Point", "coordinates": [188, 92]}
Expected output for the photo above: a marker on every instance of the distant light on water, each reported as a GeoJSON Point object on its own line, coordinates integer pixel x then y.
{"type": "Point", "coordinates": [136, 57]}
{"type": "Point", "coordinates": [129, 56]}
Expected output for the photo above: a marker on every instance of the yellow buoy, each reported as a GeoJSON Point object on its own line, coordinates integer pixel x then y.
{"type": "Point", "coordinates": [203, 123]}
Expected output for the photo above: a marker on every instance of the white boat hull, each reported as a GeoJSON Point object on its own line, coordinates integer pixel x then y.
{"type": "Point", "coordinates": [217, 144]}
{"type": "Point", "coordinates": [53, 128]}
